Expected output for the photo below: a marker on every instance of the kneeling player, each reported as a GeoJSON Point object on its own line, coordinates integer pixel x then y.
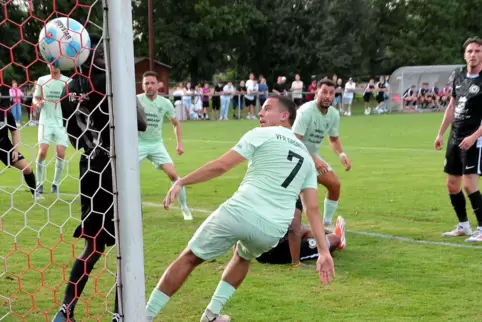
{"type": "Point", "coordinates": [299, 244]}
{"type": "Point", "coordinates": [9, 153]}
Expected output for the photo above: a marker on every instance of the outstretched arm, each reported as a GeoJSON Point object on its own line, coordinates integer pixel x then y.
{"type": "Point", "coordinates": [207, 172]}
{"type": "Point", "coordinates": [177, 132]}
{"type": "Point", "coordinates": [324, 265]}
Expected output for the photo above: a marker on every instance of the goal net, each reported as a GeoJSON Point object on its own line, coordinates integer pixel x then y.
{"type": "Point", "coordinates": [37, 247]}
{"type": "Point", "coordinates": [414, 77]}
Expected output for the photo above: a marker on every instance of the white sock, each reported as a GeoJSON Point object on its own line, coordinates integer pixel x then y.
{"type": "Point", "coordinates": [465, 224]}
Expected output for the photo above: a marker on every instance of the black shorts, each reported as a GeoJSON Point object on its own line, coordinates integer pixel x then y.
{"type": "Point", "coordinates": [367, 97]}
{"type": "Point", "coordinates": [248, 102]}
{"type": "Point", "coordinates": [299, 205]}
{"type": "Point", "coordinates": [205, 103]}
{"type": "Point", "coordinates": [281, 253]}
{"type": "Point", "coordinates": [6, 149]}
{"type": "Point", "coordinates": [380, 97]}
{"type": "Point", "coordinates": [97, 203]}
{"type": "Point", "coordinates": [458, 162]}
{"type": "Point", "coordinates": [216, 104]}
{"type": "Point", "coordinates": [298, 101]}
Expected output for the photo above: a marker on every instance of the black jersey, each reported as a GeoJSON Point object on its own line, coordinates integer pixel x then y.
{"type": "Point", "coordinates": [468, 105]}
{"type": "Point", "coordinates": [7, 123]}
{"type": "Point", "coordinates": [86, 114]}
{"type": "Point", "coordinates": [423, 91]}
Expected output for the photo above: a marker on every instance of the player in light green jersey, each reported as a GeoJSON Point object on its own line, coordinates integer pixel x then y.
{"type": "Point", "coordinates": [46, 97]}
{"type": "Point", "coordinates": [257, 215]}
{"type": "Point", "coordinates": [151, 145]}
{"type": "Point", "coordinates": [314, 121]}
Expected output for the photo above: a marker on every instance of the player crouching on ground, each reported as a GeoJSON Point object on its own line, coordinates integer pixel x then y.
{"type": "Point", "coordinates": [280, 168]}
{"type": "Point", "coordinates": [299, 245]}
{"type": "Point", "coordinates": [9, 153]}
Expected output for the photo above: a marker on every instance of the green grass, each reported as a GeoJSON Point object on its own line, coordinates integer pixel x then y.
{"type": "Point", "coordinates": [396, 187]}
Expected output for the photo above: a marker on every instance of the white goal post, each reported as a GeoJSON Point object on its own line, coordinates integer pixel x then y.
{"type": "Point", "coordinates": [130, 264]}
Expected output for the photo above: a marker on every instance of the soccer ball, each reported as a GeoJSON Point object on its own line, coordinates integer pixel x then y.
{"type": "Point", "coordinates": [64, 42]}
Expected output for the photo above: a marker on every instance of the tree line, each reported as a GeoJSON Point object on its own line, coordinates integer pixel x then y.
{"type": "Point", "coordinates": [202, 37]}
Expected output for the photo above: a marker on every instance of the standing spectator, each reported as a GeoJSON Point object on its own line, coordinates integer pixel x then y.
{"type": "Point", "coordinates": [335, 78]}
{"type": "Point", "coordinates": [28, 102]}
{"type": "Point", "coordinates": [263, 91]}
{"type": "Point", "coordinates": [250, 97]}
{"type": "Point", "coordinates": [216, 99]}
{"type": "Point", "coordinates": [350, 87]}
{"type": "Point", "coordinates": [177, 95]}
{"type": "Point", "coordinates": [278, 87]}
{"type": "Point", "coordinates": [338, 95]}
{"type": "Point", "coordinates": [297, 91]}
{"type": "Point", "coordinates": [187, 98]}
{"type": "Point", "coordinates": [227, 92]}
{"type": "Point", "coordinates": [206, 93]}
{"type": "Point", "coordinates": [196, 110]}
{"type": "Point", "coordinates": [238, 99]}
{"type": "Point", "coordinates": [380, 95]}
{"type": "Point", "coordinates": [367, 95]}
{"type": "Point", "coordinates": [312, 90]}
{"type": "Point", "coordinates": [16, 96]}
{"type": "Point", "coordinates": [162, 90]}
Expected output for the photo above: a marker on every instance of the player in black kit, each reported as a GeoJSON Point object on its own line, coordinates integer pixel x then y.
{"type": "Point", "coordinates": [464, 149]}
{"type": "Point", "coordinates": [86, 119]}
{"type": "Point", "coordinates": [9, 154]}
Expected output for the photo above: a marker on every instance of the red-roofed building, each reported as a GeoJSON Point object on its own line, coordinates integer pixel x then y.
{"type": "Point", "coordinates": [142, 65]}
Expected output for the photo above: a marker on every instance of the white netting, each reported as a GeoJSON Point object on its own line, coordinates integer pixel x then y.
{"type": "Point", "coordinates": [36, 244]}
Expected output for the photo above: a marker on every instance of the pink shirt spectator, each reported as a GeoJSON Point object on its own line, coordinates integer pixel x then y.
{"type": "Point", "coordinates": [206, 92]}
{"type": "Point", "coordinates": [16, 94]}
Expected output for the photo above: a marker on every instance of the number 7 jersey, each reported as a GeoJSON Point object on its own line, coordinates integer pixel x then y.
{"type": "Point", "coordinates": [279, 168]}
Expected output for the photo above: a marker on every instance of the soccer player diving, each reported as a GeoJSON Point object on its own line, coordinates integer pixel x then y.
{"type": "Point", "coordinates": [258, 214]}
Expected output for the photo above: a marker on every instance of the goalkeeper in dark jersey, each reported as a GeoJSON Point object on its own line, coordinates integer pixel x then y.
{"type": "Point", "coordinates": [87, 121]}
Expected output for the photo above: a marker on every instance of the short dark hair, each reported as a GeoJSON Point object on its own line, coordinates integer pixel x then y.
{"type": "Point", "coordinates": [151, 73]}
{"type": "Point", "coordinates": [287, 104]}
{"type": "Point", "coordinates": [327, 82]}
{"type": "Point", "coordinates": [472, 40]}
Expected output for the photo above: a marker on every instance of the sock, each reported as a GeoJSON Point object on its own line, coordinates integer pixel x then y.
{"type": "Point", "coordinates": [476, 201]}
{"type": "Point", "coordinates": [329, 210]}
{"type": "Point", "coordinates": [328, 242]}
{"type": "Point", "coordinates": [59, 168]}
{"type": "Point", "coordinates": [223, 293]}
{"type": "Point", "coordinates": [78, 278]}
{"type": "Point", "coordinates": [30, 180]}
{"type": "Point", "coordinates": [156, 303]}
{"type": "Point", "coordinates": [182, 197]}
{"type": "Point", "coordinates": [40, 171]}
{"type": "Point", "coordinates": [458, 202]}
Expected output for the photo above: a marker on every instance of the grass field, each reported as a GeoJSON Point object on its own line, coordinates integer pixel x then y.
{"type": "Point", "coordinates": [396, 188]}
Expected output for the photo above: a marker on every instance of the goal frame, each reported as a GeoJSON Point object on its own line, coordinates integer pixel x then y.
{"type": "Point", "coordinates": [128, 215]}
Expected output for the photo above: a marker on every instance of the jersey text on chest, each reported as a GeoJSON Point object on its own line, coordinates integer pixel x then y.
{"type": "Point", "coordinates": [289, 140]}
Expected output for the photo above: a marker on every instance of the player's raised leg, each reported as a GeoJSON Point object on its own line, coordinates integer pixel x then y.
{"type": "Point", "coordinates": [333, 185]}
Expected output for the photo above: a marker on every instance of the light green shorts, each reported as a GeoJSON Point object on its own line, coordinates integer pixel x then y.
{"type": "Point", "coordinates": [154, 152]}
{"type": "Point", "coordinates": [52, 134]}
{"type": "Point", "coordinates": [253, 234]}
